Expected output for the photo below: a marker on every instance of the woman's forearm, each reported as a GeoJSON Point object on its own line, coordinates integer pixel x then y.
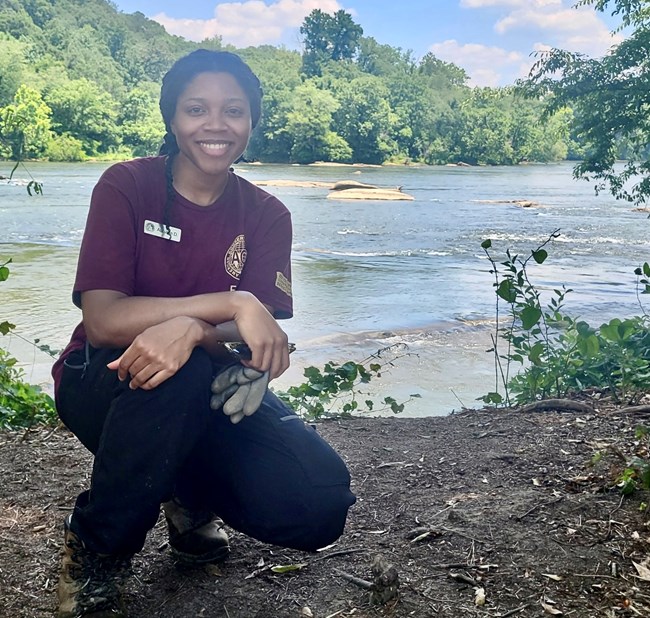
{"type": "Point", "coordinates": [112, 319]}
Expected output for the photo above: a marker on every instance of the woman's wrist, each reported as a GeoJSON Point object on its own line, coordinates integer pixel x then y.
{"type": "Point", "coordinates": [239, 299]}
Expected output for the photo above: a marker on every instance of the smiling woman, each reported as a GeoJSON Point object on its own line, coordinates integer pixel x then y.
{"type": "Point", "coordinates": [180, 255]}
{"type": "Point", "coordinates": [212, 125]}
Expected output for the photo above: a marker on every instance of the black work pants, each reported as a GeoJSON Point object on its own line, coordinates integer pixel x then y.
{"type": "Point", "coordinates": [270, 476]}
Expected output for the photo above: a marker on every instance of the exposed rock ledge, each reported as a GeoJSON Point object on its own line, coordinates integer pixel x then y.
{"type": "Point", "coordinates": [369, 194]}
{"type": "Point", "coordinates": [520, 203]}
{"type": "Point", "coordinates": [308, 184]}
{"type": "Point", "coordinates": [343, 189]}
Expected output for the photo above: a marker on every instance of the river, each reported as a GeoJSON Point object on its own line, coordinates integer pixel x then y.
{"type": "Point", "coordinates": [367, 274]}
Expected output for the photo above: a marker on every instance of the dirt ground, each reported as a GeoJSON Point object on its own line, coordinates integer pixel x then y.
{"type": "Point", "coordinates": [518, 506]}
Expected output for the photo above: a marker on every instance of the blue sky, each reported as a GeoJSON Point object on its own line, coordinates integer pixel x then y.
{"type": "Point", "coordinates": [491, 39]}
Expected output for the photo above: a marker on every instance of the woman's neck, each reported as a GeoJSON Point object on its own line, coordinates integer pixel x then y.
{"type": "Point", "coordinates": [194, 185]}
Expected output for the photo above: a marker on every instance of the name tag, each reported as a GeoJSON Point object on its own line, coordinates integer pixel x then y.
{"type": "Point", "coordinates": [162, 231]}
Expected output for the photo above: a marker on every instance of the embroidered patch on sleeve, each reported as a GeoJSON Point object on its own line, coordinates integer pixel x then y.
{"type": "Point", "coordinates": [282, 283]}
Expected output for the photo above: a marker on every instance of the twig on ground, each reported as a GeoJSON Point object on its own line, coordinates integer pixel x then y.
{"type": "Point", "coordinates": [634, 410]}
{"type": "Point", "coordinates": [537, 506]}
{"type": "Point", "coordinates": [515, 611]}
{"type": "Point", "coordinates": [353, 579]}
{"type": "Point", "coordinates": [620, 503]}
{"type": "Point", "coordinates": [463, 577]}
{"type": "Point", "coordinates": [341, 552]}
{"type": "Point", "coordinates": [467, 536]}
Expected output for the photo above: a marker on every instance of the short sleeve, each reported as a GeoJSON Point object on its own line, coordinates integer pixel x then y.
{"type": "Point", "coordinates": [267, 273]}
{"type": "Point", "coordinates": [107, 254]}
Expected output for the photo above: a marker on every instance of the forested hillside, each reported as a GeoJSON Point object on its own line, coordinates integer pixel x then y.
{"type": "Point", "coordinates": [80, 79]}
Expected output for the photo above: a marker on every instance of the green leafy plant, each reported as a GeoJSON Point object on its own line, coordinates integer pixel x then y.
{"type": "Point", "coordinates": [337, 390]}
{"type": "Point", "coordinates": [636, 474]}
{"type": "Point", "coordinates": [21, 404]}
{"type": "Point", "coordinates": [643, 281]}
{"type": "Point", "coordinates": [556, 353]}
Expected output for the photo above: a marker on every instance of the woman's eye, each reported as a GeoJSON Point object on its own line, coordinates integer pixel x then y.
{"type": "Point", "coordinates": [195, 110]}
{"type": "Point", "coordinates": [235, 111]}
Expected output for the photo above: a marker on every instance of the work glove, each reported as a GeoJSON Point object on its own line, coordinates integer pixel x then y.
{"type": "Point", "coordinates": [239, 391]}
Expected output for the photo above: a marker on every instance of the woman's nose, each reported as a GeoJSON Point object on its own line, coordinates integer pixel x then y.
{"type": "Point", "coordinates": [215, 121]}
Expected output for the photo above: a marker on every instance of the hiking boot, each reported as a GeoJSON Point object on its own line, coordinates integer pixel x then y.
{"type": "Point", "coordinates": [89, 583]}
{"type": "Point", "coordinates": [195, 537]}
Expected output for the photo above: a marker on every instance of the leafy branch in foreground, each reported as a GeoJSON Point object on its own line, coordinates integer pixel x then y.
{"type": "Point", "coordinates": [557, 353]}
{"type": "Point", "coordinates": [21, 404]}
{"type": "Point", "coordinates": [610, 99]}
{"type": "Point", "coordinates": [336, 390]}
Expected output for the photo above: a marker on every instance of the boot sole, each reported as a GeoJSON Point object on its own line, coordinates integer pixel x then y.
{"type": "Point", "coordinates": [216, 556]}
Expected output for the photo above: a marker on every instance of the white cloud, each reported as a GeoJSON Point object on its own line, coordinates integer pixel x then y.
{"type": "Point", "coordinates": [574, 30]}
{"type": "Point", "coordinates": [479, 4]}
{"type": "Point", "coordinates": [251, 22]}
{"type": "Point", "coordinates": [486, 66]}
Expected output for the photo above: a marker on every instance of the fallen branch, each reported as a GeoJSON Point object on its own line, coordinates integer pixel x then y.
{"type": "Point", "coordinates": [353, 579]}
{"type": "Point", "coordinates": [514, 611]}
{"type": "Point", "coordinates": [462, 577]}
{"type": "Point", "coordinates": [635, 410]}
{"type": "Point", "coordinates": [561, 405]}
{"type": "Point", "coordinates": [385, 585]}
{"type": "Point", "coordinates": [341, 552]}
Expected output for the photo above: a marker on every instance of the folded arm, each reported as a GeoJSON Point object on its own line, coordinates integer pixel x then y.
{"type": "Point", "coordinates": [160, 333]}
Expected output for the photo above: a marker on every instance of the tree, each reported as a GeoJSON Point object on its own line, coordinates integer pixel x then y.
{"type": "Point", "coordinates": [141, 122]}
{"type": "Point", "coordinates": [441, 74]}
{"type": "Point", "coordinates": [13, 66]}
{"type": "Point", "coordinates": [364, 118]}
{"type": "Point", "coordinates": [80, 108]}
{"type": "Point", "coordinates": [328, 38]}
{"type": "Point", "coordinates": [309, 127]}
{"type": "Point", "coordinates": [382, 60]}
{"type": "Point", "coordinates": [25, 124]}
{"type": "Point", "coordinates": [610, 98]}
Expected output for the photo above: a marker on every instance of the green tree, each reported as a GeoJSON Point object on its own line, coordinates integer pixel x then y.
{"type": "Point", "coordinates": [328, 38]}
{"type": "Point", "coordinates": [309, 127]}
{"type": "Point", "coordinates": [482, 130]}
{"type": "Point", "coordinates": [13, 66]}
{"type": "Point", "coordinates": [610, 98]}
{"type": "Point", "coordinates": [279, 72]}
{"type": "Point", "coordinates": [141, 122]}
{"type": "Point", "coordinates": [383, 60]}
{"type": "Point", "coordinates": [25, 124]}
{"type": "Point", "coordinates": [440, 74]}
{"type": "Point", "coordinates": [84, 111]}
{"type": "Point", "coordinates": [364, 118]}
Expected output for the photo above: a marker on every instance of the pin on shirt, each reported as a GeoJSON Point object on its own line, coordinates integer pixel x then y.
{"type": "Point", "coordinates": [162, 231]}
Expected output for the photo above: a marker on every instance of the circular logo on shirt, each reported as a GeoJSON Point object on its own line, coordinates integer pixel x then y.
{"type": "Point", "coordinates": [236, 257]}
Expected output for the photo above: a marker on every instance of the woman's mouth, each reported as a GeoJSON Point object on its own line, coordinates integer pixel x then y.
{"type": "Point", "coordinates": [214, 147]}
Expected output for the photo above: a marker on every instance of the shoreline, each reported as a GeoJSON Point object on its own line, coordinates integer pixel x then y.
{"type": "Point", "coordinates": [444, 362]}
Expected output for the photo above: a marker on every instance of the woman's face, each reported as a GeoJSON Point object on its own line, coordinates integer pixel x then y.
{"type": "Point", "coordinates": [212, 123]}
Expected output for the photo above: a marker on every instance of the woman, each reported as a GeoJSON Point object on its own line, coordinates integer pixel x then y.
{"type": "Point", "coordinates": [180, 255]}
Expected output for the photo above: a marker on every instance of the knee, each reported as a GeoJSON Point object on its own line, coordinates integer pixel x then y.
{"type": "Point", "coordinates": [196, 372]}
{"type": "Point", "coordinates": [190, 382]}
{"type": "Point", "coordinates": [326, 519]}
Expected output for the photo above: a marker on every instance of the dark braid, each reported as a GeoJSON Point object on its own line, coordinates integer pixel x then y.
{"type": "Point", "coordinates": [170, 194]}
{"type": "Point", "coordinates": [169, 145]}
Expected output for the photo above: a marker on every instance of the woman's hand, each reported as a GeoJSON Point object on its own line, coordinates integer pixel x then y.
{"type": "Point", "coordinates": [267, 341]}
{"type": "Point", "coordinates": [158, 352]}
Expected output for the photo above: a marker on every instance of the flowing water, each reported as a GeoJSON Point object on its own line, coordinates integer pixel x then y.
{"type": "Point", "coordinates": [367, 274]}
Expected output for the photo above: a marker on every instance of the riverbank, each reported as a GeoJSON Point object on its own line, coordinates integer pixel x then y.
{"type": "Point", "coordinates": [518, 505]}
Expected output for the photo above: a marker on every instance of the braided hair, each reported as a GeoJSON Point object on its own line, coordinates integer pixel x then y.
{"type": "Point", "coordinates": [174, 83]}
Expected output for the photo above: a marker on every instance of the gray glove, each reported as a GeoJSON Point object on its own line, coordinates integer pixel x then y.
{"type": "Point", "coordinates": [239, 391]}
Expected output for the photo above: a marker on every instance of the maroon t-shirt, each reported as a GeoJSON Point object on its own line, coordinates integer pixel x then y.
{"type": "Point", "coordinates": [240, 242]}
